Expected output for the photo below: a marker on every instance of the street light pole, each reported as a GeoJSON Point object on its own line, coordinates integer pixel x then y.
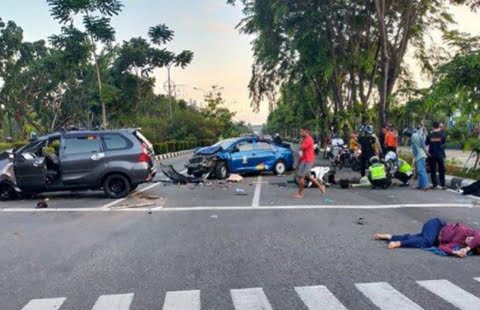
{"type": "Point", "coordinates": [170, 91]}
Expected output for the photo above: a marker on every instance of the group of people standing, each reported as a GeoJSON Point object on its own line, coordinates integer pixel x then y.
{"type": "Point", "coordinates": [435, 153]}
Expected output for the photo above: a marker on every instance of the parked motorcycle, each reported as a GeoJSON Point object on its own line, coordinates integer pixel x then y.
{"type": "Point", "coordinates": [342, 157]}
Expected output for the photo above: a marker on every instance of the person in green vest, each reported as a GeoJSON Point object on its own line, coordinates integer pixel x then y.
{"type": "Point", "coordinates": [399, 168]}
{"type": "Point", "coordinates": [378, 174]}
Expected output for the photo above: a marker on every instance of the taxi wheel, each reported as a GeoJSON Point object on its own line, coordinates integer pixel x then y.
{"type": "Point", "coordinates": [279, 168]}
{"type": "Point", "coordinates": [221, 170]}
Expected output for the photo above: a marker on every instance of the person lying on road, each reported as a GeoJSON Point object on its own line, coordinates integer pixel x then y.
{"type": "Point", "coordinates": [452, 238]}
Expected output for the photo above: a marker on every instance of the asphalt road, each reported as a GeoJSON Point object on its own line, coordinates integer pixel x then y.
{"type": "Point", "coordinates": [204, 247]}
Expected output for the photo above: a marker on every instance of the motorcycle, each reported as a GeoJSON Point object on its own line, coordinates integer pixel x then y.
{"type": "Point", "coordinates": [342, 157]}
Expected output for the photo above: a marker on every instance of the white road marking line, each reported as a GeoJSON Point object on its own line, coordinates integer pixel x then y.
{"type": "Point", "coordinates": [182, 300]}
{"type": "Point", "coordinates": [44, 304]}
{"type": "Point", "coordinates": [256, 196]}
{"type": "Point", "coordinates": [113, 302]}
{"type": "Point", "coordinates": [453, 294]}
{"type": "Point", "coordinates": [319, 298]}
{"type": "Point", "coordinates": [385, 297]}
{"type": "Point", "coordinates": [241, 208]}
{"type": "Point", "coordinates": [250, 299]}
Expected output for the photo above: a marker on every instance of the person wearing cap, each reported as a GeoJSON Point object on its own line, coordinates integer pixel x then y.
{"type": "Point", "coordinates": [420, 154]}
{"type": "Point", "coordinates": [378, 174]}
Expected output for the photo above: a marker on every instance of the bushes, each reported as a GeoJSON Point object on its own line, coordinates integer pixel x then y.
{"type": "Point", "coordinates": [177, 146]}
{"type": "Point", "coordinates": [15, 145]}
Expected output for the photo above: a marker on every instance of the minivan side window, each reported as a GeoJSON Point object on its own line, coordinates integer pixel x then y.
{"type": "Point", "coordinates": [81, 144]}
{"type": "Point", "coordinates": [116, 142]}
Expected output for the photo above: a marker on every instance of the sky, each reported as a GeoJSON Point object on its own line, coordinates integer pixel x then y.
{"type": "Point", "coordinates": [223, 56]}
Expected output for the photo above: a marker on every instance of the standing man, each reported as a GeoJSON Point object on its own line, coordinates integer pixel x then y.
{"type": "Point", "coordinates": [305, 163]}
{"type": "Point", "coordinates": [391, 139]}
{"type": "Point", "coordinates": [436, 143]}
{"type": "Point", "coordinates": [368, 145]}
{"type": "Point", "coordinates": [382, 138]}
{"type": "Point", "coordinates": [420, 152]}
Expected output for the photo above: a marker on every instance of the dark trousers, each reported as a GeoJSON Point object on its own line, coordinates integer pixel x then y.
{"type": "Point", "coordinates": [434, 164]}
{"type": "Point", "coordinates": [426, 239]}
{"type": "Point", "coordinates": [403, 177]}
{"type": "Point", "coordinates": [364, 164]}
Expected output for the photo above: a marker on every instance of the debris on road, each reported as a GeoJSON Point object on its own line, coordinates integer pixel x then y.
{"type": "Point", "coordinates": [178, 178]}
{"type": "Point", "coordinates": [235, 178]}
{"type": "Point", "coordinates": [240, 192]}
{"type": "Point", "coordinates": [42, 204]}
{"type": "Point", "coordinates": [328, 200]}
{"type": "Point", "coordinates": [361, 221]}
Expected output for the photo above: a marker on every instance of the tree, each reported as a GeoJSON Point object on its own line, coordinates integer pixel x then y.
{"type": "Point", "coordinates": [160, 35]}
{"type": "Point", "coordinates": [96, 20]}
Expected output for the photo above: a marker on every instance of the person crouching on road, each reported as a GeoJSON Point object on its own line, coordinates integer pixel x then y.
{"type": "Point", "coordinates": [399, 168]}
{"type": "Point", "coordinates": [378, 174]}
{"type": "Point", "coordinates": [452, 238]}
{"type": "Point", "coordinates": [305, 163]}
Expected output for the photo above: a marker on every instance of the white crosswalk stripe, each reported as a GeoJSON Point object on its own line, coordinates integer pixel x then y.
{"type": "Point", "coordinates": [453, 294]}
{"type": "Point", "coordinates": [250, 299]}
{"type": "Point", "coordinates": [182, 300]}
{"type": "Point", "coordinates": [381, 294]}
{"type": "Point", "coordinates": [44, 304]}
{"type": "Point", "coordinates": [319, 298]}
{"type": "Point", "coordinates": [385, 297]}
{"type": "Point", "coordinates": [113, 302]}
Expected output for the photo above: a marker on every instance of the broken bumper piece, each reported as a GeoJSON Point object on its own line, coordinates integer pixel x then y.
{"type": "Point", "coordinates": [178, 178]}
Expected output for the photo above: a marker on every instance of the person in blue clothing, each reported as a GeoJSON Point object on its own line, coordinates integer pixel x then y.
{"type": "Point", "coordinates": [436, 144]}
{"type": "Point", "coordinates": [427, 238]}
{"type": "Point", "coordinates": [420, 154]}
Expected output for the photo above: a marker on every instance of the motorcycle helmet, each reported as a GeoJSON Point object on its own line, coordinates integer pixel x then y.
{"type": "Point", "coordinates": [391, 156]}
{"type": "Point", "coordinates": [374, 160]}
{"type": "Point", "coordinates": [369, 130]}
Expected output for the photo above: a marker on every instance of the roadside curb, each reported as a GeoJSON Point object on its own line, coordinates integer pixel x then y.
{"type": "Point", "coordinates": [172, 155]}
{"type": "Point", "coordinates": [455, 182]}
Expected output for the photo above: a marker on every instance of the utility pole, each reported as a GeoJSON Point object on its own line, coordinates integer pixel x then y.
{"type": "Point", "coordinates": [170, 91]}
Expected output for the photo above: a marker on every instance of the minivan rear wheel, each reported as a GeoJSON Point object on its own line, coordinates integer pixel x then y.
{"type": "Point", "coordinates": [116, 186]}
{"type": "Point", "coordinates": [7, 192]}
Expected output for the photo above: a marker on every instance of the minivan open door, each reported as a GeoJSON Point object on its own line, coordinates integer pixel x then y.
{"type": "Point", "coordinates": [30, 172]}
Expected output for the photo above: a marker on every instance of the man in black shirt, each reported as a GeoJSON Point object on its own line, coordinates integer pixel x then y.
{"type": "Point", "coordinates": [367, 144]}
{"type": "Point", "coordinates": [436, 143]}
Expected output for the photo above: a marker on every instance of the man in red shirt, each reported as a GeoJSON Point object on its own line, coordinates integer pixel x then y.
{"type": "Point", "coordinates": [305, 163]}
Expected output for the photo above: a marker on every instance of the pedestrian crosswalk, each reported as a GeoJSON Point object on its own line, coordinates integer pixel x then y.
{"type": "Point", "coordinates": [381, 295]}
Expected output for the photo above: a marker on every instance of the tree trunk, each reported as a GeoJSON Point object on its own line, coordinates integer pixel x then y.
{"type": "Point", "coordinates": [383, 89]}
